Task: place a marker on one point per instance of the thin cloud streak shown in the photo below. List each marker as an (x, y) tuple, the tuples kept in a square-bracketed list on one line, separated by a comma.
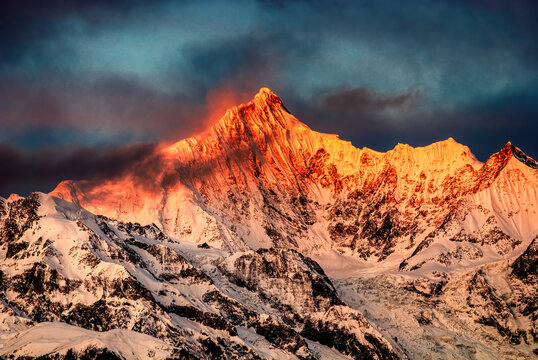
[(362, 99), (42, 169)]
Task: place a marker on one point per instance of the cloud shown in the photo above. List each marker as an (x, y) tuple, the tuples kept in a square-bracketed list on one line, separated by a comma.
[(107, 108), (361, 99), (24, 171), (455, 52)]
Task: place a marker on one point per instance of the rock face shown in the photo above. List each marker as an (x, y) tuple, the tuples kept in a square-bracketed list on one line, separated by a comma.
[(63, 265)]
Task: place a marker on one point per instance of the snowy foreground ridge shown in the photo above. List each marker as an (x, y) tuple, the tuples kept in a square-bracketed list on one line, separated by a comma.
[(263, 239)]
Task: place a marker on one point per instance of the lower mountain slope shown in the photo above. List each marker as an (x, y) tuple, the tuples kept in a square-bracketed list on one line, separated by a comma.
[(76, 284), (484, 312)]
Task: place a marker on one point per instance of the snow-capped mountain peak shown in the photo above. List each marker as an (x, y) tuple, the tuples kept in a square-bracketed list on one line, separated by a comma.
[(521, 156), (251, 237)]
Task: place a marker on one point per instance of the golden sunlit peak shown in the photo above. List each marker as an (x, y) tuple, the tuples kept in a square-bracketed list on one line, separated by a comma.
[(264, 97), (265, 90), (265, 94)]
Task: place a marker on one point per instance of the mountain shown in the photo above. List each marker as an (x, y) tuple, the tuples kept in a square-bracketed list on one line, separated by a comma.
[(259, 178), (261, 238)]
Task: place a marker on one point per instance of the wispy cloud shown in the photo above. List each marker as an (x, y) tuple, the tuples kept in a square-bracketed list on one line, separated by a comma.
[(24, 171), (364, 100)]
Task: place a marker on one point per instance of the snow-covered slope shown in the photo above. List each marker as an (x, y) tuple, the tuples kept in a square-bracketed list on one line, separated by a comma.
[(486, 312), (71, 281), (63, 339)]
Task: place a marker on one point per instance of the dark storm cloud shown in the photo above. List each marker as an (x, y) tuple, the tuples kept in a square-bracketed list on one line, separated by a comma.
[(41, 170), (487, 125), (362, 99), (113, 106), (365, 117), (243, 61), (298, 48)]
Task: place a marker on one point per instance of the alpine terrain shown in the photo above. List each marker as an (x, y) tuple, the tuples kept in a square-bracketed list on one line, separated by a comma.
[(263, 239)]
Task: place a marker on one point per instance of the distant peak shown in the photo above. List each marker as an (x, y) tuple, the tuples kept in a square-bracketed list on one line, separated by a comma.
[(507, 149), (13, 197), (449, 141), (499, 160), (402, 147)]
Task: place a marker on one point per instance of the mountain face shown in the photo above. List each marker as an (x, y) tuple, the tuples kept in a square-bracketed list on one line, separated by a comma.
[(261, 238)]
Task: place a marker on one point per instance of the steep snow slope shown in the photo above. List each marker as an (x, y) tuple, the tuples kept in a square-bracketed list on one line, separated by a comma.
[(59, 338), (494, 223), (61, 263), (260, 178)]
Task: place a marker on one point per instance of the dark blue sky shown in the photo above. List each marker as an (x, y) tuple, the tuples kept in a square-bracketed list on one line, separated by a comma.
[(85, 85)]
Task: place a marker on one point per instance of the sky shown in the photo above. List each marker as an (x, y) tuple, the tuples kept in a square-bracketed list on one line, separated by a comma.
[(87, 88)]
